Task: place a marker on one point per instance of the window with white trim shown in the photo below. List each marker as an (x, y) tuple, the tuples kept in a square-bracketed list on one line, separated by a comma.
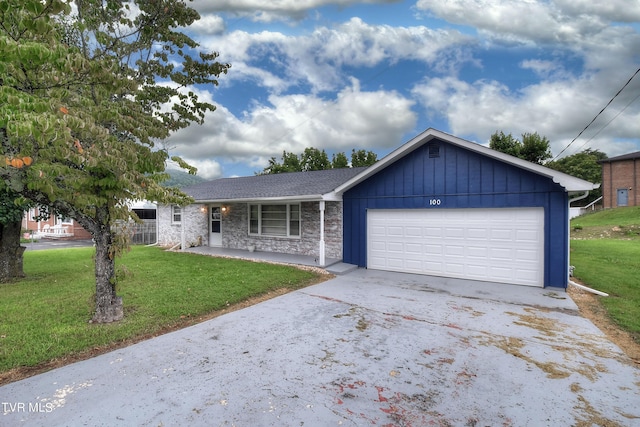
[(176, 214), (278, 220), (63, 220)]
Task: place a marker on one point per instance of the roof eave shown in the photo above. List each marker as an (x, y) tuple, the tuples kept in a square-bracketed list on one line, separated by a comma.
[(299, 198), (568, 182)]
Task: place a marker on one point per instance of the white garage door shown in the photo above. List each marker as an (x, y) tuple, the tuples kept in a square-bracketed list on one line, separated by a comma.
[(498, 245)]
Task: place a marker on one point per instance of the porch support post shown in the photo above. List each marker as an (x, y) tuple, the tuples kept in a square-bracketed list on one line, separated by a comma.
[(183, 239), (321, 249)]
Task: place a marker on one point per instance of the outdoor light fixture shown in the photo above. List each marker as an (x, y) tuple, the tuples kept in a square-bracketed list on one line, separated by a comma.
[(224, 209)]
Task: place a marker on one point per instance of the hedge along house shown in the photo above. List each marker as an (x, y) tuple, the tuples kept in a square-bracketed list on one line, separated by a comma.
[(293, 213), (443, 206)]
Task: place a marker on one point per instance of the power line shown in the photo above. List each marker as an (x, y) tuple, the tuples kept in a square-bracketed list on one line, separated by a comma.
[(609, 122), (598, 115)]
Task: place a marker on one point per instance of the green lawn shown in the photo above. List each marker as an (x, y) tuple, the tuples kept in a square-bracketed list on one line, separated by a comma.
[(610, 218), (609, 264), (45, 316)]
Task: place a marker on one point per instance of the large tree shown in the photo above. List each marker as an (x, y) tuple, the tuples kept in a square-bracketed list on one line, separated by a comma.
[(312, 159), (10, 225), (533, 147), (361, 158), (585, 165), (86, 93)]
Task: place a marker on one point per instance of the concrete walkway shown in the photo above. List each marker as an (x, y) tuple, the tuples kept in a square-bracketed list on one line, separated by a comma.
[(43, 244), (364, 349), (311, 261)]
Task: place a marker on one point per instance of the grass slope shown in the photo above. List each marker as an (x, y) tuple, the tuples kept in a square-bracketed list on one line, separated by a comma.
[(609, 218), (45, 316), (606, 256)]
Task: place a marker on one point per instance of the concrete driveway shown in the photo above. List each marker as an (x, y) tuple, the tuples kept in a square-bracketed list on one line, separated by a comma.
[(368, 348)]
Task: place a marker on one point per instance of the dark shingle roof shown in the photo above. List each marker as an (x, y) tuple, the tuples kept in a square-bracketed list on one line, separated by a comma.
[(629, 156), (314, 183)]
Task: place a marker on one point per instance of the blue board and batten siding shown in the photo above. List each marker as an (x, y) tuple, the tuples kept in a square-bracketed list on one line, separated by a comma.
[(458, 178)]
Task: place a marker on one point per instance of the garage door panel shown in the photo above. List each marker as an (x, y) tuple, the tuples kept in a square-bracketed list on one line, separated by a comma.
[(502, 245), (501, 254), (395, 231), (527, 235), (477, 270), (524, 255), (454, 233), (477, 233), (395, 247), (413, 248), (477, 252), (433, 249), (503, 234), (432, 232)]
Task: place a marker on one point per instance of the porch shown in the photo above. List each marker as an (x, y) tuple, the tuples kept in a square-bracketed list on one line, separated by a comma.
[(332, 265)]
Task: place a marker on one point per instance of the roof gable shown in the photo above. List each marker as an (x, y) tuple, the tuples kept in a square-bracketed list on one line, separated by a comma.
[(568, 182), (312, 185)]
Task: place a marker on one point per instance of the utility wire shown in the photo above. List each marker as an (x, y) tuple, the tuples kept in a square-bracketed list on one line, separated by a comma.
[(598, 115), (609, 122)]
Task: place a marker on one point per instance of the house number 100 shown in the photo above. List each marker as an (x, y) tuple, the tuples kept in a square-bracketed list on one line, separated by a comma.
[(435, 202)]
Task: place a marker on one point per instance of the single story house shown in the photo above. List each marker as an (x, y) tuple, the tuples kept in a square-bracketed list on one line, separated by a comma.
[(55, 227), (621, 180), (438, 205), (295, 213)]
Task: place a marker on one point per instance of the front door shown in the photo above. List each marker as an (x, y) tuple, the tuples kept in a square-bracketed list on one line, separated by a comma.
[(623, 197), (215, 226)]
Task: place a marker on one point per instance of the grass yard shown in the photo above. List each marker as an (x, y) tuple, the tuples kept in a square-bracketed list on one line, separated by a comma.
[(612, 266), (45, 316), (605, 250)]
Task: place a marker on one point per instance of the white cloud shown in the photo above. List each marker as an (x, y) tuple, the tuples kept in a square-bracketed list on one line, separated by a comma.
[(318, 58), (558, 110), (354, 119), (267, 11), (207, 168), (581, 53), (553, 21), (542, 68), (565, 98), (611, 10), (208, 24)]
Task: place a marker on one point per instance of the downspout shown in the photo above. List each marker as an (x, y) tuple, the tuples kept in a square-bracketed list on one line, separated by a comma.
[(321, 257), (580, 197), (585, 288), (572, 283), (157, 229)]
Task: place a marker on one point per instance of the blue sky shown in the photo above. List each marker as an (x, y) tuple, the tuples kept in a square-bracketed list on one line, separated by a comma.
[(345, 74)]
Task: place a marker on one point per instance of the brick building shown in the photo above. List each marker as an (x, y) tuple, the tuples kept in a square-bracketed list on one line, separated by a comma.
[(621, 181), (54, 227)]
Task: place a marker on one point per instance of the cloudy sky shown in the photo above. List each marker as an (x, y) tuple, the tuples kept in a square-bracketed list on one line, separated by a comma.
[(371, 74)]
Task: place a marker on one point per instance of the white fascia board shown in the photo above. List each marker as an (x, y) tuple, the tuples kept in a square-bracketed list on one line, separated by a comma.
[(568, 182), (288, 199), (332, 197)]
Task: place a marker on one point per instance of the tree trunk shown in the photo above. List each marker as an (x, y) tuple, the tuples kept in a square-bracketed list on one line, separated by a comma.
[(108, 304), (11, 252)]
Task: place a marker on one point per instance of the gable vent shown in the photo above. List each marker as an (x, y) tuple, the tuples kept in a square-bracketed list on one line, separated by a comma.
[(434, 150)]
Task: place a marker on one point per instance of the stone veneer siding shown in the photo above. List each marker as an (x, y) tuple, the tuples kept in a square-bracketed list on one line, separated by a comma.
[(235, 234), (235, 231), (195, 221)]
